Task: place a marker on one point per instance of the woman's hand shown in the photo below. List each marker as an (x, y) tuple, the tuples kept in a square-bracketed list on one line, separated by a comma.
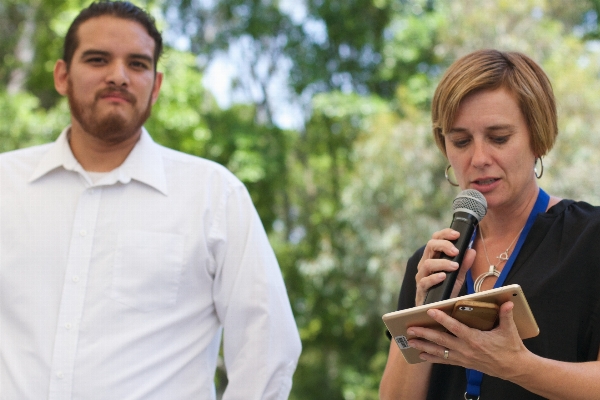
[(432, 269), (495, 352)]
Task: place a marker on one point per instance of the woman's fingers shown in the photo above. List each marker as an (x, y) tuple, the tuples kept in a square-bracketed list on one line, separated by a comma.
[(491, 352), (433, 271), (432, 268), (441, 242)]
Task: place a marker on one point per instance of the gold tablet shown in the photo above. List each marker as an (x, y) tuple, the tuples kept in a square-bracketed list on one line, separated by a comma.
[(398, 322)]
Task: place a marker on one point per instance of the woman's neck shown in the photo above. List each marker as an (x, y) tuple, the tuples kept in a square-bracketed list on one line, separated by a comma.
[(509, 219)]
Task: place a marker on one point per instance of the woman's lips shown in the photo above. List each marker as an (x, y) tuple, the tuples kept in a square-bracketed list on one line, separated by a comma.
[(486, 181)]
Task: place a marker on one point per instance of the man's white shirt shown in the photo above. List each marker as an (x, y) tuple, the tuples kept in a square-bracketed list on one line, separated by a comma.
[(119, 288)]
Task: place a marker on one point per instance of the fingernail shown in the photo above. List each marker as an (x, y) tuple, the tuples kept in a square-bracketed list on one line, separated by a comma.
[(410, 332)]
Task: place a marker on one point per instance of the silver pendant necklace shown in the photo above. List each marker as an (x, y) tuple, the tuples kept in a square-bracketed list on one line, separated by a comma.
[(493, 271)]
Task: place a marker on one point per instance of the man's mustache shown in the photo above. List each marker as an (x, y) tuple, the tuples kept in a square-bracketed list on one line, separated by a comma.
[(118, 92)]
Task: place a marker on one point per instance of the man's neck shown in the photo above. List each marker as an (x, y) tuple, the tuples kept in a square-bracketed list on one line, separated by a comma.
[(96, 155)]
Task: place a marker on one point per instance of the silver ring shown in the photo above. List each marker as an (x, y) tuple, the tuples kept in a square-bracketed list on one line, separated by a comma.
[(446, 354)]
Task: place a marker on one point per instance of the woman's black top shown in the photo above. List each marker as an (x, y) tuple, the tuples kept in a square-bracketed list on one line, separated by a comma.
[(558, 269)]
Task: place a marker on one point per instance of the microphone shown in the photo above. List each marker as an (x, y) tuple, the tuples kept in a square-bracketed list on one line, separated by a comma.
[(469, 208)]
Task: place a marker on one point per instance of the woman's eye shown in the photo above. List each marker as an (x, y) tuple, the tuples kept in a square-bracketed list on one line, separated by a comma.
[(500, 139), (460, 143)]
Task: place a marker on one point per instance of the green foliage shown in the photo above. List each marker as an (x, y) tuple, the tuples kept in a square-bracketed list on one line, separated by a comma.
[(179, 116), (386, 204), (25, 124), (408, 55), (347, 56)]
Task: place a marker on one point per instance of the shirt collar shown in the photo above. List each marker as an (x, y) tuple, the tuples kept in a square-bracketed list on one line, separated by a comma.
[(143, 164)]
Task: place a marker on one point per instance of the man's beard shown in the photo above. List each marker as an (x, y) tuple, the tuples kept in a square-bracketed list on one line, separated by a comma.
[(113, 128)]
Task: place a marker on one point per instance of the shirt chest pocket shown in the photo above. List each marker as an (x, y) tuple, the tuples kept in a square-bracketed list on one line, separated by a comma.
[(147, 269)]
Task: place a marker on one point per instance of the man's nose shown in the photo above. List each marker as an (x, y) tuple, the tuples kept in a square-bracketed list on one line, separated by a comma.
[(117, 74)]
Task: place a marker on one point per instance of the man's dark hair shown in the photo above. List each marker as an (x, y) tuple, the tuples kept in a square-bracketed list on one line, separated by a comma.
[(118, 9)]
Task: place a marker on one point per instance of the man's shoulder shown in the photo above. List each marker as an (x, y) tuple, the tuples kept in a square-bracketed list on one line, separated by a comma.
[(27, 154), (35, 149), (192, 165)]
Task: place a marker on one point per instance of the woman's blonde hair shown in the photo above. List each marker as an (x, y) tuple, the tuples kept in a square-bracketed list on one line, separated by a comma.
[(492, 69)]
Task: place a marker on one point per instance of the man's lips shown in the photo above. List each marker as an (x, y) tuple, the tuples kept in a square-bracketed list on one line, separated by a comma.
[(114, 97), (116, 94)]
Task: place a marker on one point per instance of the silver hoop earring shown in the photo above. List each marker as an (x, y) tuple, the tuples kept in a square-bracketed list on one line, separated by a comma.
[(535, 168), (448, 176)]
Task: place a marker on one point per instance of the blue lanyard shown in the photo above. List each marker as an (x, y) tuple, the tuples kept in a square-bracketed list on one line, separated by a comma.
[(475, 377)]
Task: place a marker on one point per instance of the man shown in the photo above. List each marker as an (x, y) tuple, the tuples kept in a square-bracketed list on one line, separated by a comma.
[(122, 262)]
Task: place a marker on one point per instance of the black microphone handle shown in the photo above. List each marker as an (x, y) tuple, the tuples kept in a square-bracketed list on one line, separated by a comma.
[(465, 224)]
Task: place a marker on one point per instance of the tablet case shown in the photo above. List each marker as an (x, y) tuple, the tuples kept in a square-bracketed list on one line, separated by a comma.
[(398, 322)]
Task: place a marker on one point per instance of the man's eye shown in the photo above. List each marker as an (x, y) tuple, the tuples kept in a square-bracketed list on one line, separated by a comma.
[(96, 60), (139, 65)]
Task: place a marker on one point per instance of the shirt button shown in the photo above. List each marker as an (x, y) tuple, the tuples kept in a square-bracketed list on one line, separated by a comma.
[(60, 375), (82, 232), (91, 191), (75, 279), (68, 326)]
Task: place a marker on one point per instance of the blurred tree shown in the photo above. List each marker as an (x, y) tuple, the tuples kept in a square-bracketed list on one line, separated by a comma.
[(32, 40), (393, 193), (578, 16), (255, 30)]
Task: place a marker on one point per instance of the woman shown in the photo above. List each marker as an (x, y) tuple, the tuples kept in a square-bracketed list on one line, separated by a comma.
[(494, 117)]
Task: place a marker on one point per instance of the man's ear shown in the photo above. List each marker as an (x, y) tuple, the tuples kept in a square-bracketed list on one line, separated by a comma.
[(61, 75), (156, 88)]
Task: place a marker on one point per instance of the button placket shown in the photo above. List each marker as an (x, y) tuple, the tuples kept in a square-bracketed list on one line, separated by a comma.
[(73, 295)]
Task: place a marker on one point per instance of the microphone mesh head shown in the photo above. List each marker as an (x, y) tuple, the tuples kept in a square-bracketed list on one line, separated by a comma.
[(471, 201)]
